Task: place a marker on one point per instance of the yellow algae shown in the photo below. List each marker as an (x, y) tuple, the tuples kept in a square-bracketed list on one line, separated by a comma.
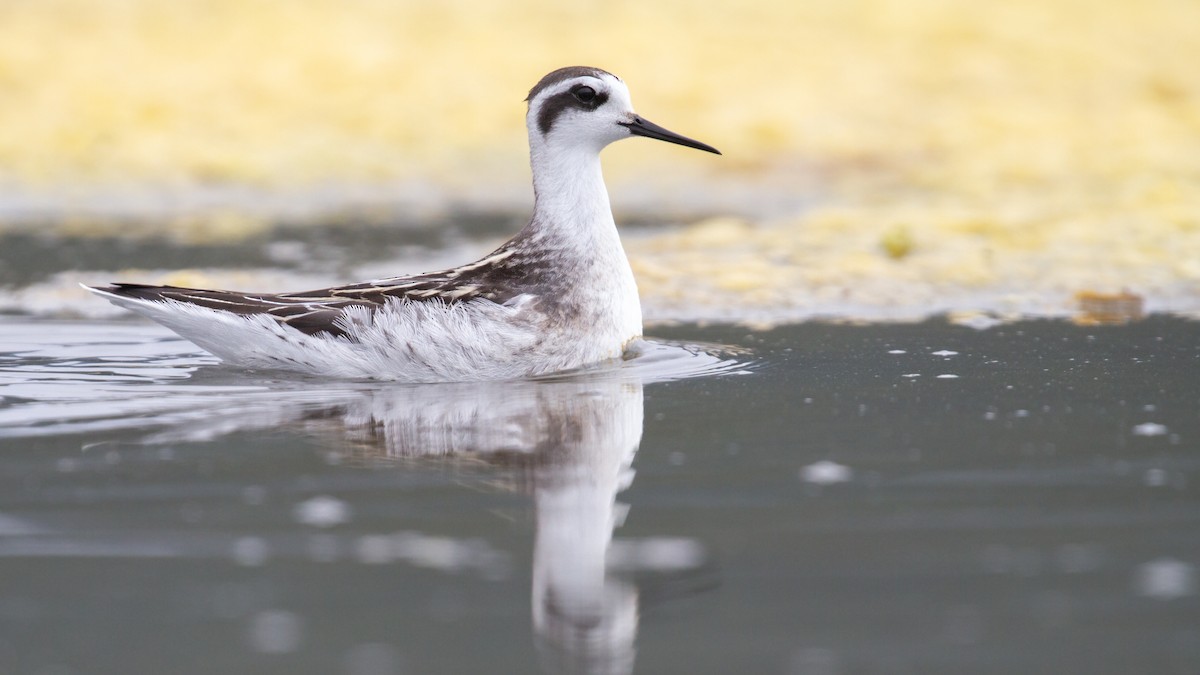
[(897, 242), (184, 278), (742, 279), (224, 226), (279, 92), (1029, 150), (717, 232)]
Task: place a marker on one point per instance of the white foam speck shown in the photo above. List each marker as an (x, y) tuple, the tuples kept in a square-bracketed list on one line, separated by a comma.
[(945, 352), (947, 376), (658, 554), (322, 511), (254, 495), (1165, 579), (911, 375), (897, 351), (826, 473), (1155, 477), (1150, 429), (275, 631), (442, 553), (251, 551)]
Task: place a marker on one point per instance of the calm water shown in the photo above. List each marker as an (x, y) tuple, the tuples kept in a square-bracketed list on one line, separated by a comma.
[(821, 500)]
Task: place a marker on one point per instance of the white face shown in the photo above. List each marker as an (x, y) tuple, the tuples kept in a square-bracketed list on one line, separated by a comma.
[(586, 111), (587, 108)]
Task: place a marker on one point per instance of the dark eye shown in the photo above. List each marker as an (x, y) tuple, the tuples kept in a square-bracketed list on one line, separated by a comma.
[(584, 94)]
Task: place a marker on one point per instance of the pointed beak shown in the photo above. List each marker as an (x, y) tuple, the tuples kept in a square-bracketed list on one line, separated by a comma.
[(641, 127)]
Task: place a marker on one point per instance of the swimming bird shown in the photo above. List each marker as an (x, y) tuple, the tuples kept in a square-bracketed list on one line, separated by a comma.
[(557, 296)]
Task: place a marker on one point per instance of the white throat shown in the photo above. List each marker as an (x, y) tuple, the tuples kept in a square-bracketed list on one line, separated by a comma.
[(570, 198)]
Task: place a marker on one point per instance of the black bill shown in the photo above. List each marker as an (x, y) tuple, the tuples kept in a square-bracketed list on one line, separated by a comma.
[(640, 127)]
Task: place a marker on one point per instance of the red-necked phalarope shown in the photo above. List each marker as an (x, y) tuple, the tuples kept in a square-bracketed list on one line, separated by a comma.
[(558, 295)]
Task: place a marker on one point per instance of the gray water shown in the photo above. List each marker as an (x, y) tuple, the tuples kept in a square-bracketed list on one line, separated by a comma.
[(814, 499)]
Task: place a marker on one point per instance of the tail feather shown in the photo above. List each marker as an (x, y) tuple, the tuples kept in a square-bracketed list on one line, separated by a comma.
[(310, 318)]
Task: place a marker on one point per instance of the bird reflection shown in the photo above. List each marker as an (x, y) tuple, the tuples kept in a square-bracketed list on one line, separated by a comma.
[(571, 444), (568, 442)]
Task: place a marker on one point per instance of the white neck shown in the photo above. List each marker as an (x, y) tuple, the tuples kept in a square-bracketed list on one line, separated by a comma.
[(571, 208), (573, 219)]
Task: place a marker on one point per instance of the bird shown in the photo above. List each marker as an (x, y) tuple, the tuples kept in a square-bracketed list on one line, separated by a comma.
[(558, 296)]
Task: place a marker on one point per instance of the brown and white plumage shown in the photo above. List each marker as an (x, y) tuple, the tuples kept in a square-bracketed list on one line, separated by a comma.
[(559, 295), (495, 277)]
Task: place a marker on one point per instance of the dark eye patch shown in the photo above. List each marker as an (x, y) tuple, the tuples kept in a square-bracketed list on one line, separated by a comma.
[(579, 97)]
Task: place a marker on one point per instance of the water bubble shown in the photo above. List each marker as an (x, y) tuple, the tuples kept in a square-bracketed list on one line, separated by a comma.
[(1150, 429), (275, 631), (322, 511), (1165, 579), (441, 553), (251, 551), (254, 495), (1155, 477), (826, 473), (667, 553), (655, 554)]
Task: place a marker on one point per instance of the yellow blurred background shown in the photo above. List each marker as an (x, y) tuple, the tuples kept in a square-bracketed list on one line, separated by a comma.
[(959, 154)]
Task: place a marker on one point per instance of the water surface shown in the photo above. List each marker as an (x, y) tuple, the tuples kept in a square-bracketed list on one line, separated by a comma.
[(920, 498)]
